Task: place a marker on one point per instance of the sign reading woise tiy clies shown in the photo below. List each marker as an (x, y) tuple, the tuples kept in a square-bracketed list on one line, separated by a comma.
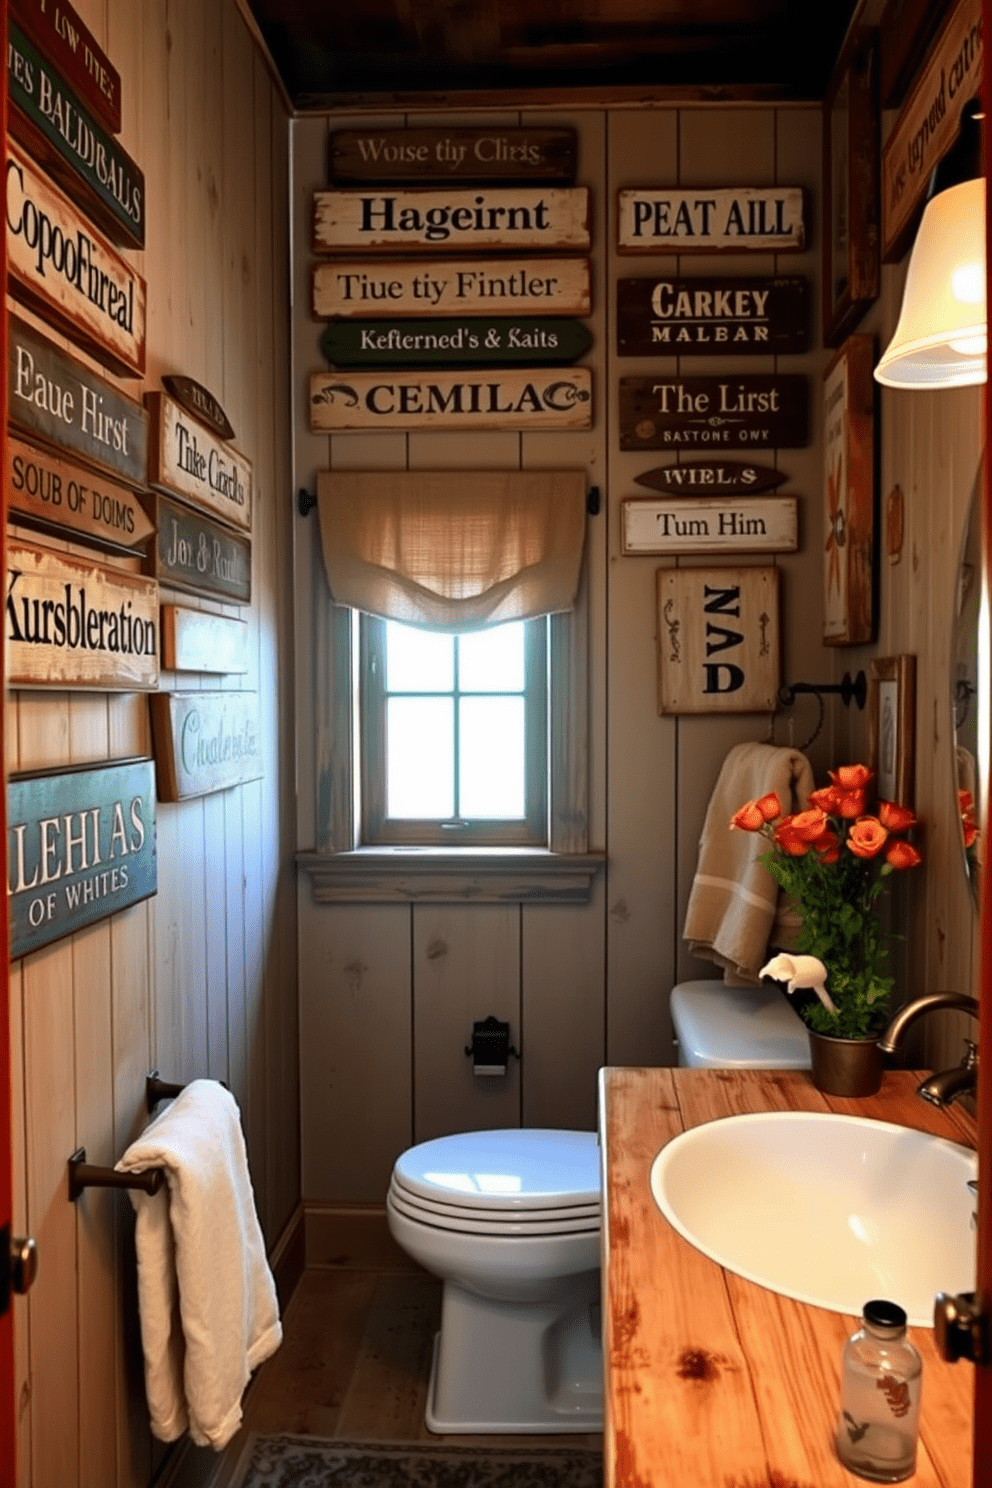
[(559, 398), (423, 220)]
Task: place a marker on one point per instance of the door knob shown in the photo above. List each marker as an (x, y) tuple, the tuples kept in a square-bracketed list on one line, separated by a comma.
[(23, 1264), (960, 1328)]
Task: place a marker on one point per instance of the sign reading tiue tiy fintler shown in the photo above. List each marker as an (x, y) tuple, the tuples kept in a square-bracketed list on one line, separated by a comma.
[(712, 478), (733, 219), (42, 487), (80, 847), (186, 459), (73, 623), (495, 399), (731, 524), (712, 317), (730, 413), (476, 218), (69, 273), (205, 742), (72, 48), (439, 154), (353, 289), (514, 340)]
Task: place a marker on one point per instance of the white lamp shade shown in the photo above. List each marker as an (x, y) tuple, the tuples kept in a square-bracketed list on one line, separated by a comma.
[(942, 336)]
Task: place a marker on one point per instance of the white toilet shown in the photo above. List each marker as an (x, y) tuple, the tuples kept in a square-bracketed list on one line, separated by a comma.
[(721, 1027), (510, 1221)]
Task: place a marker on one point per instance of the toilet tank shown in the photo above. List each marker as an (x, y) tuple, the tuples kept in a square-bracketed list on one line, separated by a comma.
[(721, 1027)]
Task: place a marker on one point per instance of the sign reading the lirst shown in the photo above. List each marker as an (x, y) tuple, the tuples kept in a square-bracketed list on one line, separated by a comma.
[(459, 286), (189, 461), (198, 555), (80, 847), (718, 640), (735, 219), (439, 154), (712, 317), (54, 398), (712, 477), (480, 218), (702, 412), (72, 48), (536, 399), (204, 742), (732, 525), (42, 487), (69, 273), (552, 341)]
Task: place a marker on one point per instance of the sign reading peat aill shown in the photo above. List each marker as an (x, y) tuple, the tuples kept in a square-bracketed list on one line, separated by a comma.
[(506, 340), (479, 218), (733, 219), (712, 317), (711, 478), (733, 524), (41, 487), (198, 555), (439, 154), (494, 399), (204, 742), (730, 413), (354, 289), (72, 48), (187, 460)]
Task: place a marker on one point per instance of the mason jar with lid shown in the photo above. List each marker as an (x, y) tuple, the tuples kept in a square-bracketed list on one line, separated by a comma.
[(880, 1397)]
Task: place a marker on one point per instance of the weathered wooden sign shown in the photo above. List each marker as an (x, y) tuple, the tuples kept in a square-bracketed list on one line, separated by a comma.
[(849, 506), (198, 401), (708, 477), (704, 412), (197, 641), (186, 459), (197, 555), (72, 623), (733, 219), (494, 342), (54, 398), (733, 524), (204, 742), (59, 132), (42, 487), (494, 399), (928, 124), (465, 286), (80, 847), (61, 35), (439, 154), (712, 317), (69, 273), (472, 218), (718, 640)]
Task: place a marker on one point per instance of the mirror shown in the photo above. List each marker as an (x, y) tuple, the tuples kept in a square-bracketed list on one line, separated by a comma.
[(964, 686)]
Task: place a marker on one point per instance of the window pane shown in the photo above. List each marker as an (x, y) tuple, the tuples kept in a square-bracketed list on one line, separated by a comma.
[(492, 660), (419, 758), (491, 748), (418, 660)]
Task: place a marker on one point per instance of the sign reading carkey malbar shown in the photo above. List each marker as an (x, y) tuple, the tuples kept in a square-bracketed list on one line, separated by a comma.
[(712, 317)]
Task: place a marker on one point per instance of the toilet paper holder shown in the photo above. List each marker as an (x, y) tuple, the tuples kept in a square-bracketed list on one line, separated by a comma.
[(490, 1047)]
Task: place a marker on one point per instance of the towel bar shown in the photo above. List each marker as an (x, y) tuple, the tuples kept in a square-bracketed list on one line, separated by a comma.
[(156, 1090), (85, 1175)]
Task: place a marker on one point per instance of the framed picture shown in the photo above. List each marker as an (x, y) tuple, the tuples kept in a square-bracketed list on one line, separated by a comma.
[(892, 727), (849, 499), (851, 213)]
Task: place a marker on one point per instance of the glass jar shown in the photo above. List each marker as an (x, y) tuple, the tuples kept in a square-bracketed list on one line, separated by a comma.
[(880, 1397)]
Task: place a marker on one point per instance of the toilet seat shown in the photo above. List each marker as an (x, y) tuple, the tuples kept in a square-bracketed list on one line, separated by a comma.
[(500, 1172), (496, 1212), (541, 1222)]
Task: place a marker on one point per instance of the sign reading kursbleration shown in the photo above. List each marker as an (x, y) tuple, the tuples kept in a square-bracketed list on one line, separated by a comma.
[(474, 218), (712, 477), (187, 460), (42, 487), (493, 342), (731, 413), (733, 524), (718, 640), (200, 402), (204, 742), (712, 317), (72, 623), (80, 847), (90, 166), (71, 47), (54, 398), (733, 219), (354, 289), (494, 399), (439, 154), (196, 554), (68, 272)]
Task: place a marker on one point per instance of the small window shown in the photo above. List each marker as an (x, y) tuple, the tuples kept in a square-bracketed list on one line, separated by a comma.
[(454, 735)]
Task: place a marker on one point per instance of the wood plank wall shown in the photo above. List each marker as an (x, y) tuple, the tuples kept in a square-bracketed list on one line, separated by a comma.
[(201, 979)]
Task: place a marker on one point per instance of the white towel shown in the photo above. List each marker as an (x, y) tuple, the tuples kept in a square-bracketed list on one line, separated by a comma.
[(734, 900), (209, 1313)]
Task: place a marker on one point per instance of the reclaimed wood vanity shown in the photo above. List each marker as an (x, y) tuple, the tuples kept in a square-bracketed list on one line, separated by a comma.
[(712, 1380)]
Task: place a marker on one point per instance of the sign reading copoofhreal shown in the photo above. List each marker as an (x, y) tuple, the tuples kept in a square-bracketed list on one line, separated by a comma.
[(705, 412), (204, 742), (712, 317), (73, 49), (438, 154), (70, 623), (740, 524), (718, 640), (42, 487), (353, 289), (196, 554), (477, 218), (733, 219), (69, 273), (80, 847), (186, 459), (495, 399)]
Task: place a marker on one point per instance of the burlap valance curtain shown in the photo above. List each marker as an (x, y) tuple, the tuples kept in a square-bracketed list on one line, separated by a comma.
[(455, 550)]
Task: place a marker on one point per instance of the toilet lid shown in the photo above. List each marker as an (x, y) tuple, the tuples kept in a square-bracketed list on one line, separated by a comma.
[(517, 1169), (515, 1223), (462, 1211)]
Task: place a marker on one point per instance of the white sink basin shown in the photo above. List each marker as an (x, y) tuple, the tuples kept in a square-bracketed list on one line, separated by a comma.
[(830, 1210)]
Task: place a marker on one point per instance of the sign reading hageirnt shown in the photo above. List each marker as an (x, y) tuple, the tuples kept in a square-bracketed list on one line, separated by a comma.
[(495, 399), (72, 48), (205, 742), (730, 219), (80, 847), (734, 524), (523, 340), (459, 286), (187, 460), (712, 317), (730, 413), (42, 487), (483, 218), (718, 640), (712, 477), (198, 555), (439, 154)]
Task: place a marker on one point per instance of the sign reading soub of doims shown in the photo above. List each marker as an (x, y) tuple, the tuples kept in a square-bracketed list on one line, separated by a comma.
[(734, 219), (45, 488), (712, 317), (356, 288), (560, 398), (729, 413), (481, 218), (465, 154)]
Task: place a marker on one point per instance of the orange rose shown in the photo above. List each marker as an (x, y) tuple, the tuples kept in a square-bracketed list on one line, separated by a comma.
[(850, 804), (966, 801), (828, 847), (851, 777), (902, 855), (770, 806), (789, 842), (894, 817), (808, 825), (970, 831), (826, 799), (867, 837), (749, 818)]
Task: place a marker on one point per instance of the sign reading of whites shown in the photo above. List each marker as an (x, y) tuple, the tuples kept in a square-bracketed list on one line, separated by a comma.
[(195, 554), (733, 525), (80, 847), (72, 48), (718, 640), (71, 623), (204, 742), (440, 154), (706, 477), (446, 343), (735, 219), (928, 124), (701, 412), (196, 641), (54, 398), (69, 273), (481, 218), (44, 488), (198, 401), (353, 289), (711, 317), (186, 459), (558, 399)]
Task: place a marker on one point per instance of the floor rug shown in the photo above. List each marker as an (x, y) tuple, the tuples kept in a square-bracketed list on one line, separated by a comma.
[(313, 1462)]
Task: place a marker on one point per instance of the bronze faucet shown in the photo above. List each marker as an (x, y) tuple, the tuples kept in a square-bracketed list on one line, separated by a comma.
[(941, 1088)]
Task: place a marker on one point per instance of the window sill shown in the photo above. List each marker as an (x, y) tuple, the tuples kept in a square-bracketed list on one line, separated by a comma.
[(384, 875)]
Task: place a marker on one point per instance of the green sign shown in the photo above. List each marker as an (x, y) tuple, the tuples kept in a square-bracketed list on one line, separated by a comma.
[(505, 341)]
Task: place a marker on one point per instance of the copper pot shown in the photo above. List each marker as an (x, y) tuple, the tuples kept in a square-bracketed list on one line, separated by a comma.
[(845, 1066)]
